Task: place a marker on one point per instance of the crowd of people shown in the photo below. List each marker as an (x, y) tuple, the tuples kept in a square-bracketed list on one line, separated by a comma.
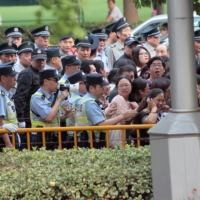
[(105, 78)]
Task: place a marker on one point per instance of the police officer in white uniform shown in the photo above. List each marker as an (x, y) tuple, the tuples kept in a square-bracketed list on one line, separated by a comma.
[(116, 50), (152, 36), (8, 118)]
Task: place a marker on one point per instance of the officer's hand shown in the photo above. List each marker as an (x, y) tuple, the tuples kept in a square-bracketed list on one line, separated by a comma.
[(111, 109), (11, 127), (130, 114), (21, 124), (9, 146), (69, 112), (64, 95)]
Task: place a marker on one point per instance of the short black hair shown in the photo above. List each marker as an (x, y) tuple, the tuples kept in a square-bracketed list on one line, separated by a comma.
[(99, 65), (156, 58), (111, 0), (85, 66)]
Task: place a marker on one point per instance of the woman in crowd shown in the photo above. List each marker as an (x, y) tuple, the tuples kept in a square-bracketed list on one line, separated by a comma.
[(140, 57), (140, 89), (124, 86), (148, 111), (156, 67)]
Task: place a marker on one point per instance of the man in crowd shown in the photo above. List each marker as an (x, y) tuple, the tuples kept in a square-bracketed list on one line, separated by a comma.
[(14, 34), (116, 50), (8, 52), (66, 45), (71, 64), (53, 59), (88, 67), (152, 40), (45, 104), (8, 118), (24, 52), (28, 84), (102, 35), (114, 13), (129, 44), (41, 37), (162, 50)]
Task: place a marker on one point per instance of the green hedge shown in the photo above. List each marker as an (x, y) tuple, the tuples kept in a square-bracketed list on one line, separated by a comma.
[(55, 33), (77, 174)]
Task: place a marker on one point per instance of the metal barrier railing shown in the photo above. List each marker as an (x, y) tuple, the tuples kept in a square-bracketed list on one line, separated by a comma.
[(79, 128)]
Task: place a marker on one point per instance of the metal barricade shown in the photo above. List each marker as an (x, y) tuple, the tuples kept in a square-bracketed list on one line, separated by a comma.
[(136, 127)]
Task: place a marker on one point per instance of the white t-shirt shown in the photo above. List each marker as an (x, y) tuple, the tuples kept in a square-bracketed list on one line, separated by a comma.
[(116, 14)]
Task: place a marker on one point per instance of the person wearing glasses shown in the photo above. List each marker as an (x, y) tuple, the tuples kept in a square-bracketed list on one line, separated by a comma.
[(140, 56), (156, 67), (124, 87), (152, 37), (45, 106)]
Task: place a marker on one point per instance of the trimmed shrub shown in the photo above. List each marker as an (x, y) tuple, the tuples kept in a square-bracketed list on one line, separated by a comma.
[(77, 174)]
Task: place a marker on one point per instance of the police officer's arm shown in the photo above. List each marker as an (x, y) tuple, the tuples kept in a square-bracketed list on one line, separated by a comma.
[(127, 115), (110, 57), (40, 107), (22, 94), (5, 136)]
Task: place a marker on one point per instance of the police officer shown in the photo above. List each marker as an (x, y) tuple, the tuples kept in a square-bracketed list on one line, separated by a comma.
[(112, 37), (53, 59), (28, 84), (129, 44), (197, 45), (66, 45), (41, 37), (88, 111), (86, 48), (71, 64), (152, 36), (8, 52), (45, 106), (24, 52), (14, 34), (102, 35), (116, 50), (8, 118), (77, 90)]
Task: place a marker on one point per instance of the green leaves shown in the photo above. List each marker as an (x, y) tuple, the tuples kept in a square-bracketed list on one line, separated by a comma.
[(78, 174)]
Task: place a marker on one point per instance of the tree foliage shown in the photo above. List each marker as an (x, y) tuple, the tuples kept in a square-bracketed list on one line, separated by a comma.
[(67, 13)]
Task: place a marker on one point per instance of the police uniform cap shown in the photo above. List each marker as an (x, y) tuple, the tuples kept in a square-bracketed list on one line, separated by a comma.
[(130, 40), (66, 37), (155, 31), (76, 77), (25, 47), (94, 41), (197, 35), (82, 42), (96, 79), (70, 60), (53, 52), (120, 24), (39, 54), (110, 26), (14, 31), (48, 73), (8, 47), (7, 69), (101, 33), (41, 31)]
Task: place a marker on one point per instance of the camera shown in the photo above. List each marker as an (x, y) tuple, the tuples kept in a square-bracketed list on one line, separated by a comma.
[(64, 87)]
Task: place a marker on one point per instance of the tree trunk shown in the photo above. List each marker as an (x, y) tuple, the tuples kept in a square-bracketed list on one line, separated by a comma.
[(160, 9), (130, 11)]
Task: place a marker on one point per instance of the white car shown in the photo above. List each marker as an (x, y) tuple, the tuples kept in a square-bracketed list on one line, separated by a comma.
[(157, 20)]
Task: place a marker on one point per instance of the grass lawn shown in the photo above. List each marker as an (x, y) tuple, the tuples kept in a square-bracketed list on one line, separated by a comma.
[(94, 10)]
